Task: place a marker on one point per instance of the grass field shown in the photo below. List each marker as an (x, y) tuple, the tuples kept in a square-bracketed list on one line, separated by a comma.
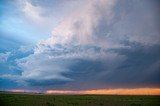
[(77, 100)]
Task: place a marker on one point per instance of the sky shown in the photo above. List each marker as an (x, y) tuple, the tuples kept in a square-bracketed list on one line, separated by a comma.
[(79, 45)]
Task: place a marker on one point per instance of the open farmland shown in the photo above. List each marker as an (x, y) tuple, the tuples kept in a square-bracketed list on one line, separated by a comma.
[(7, 99)]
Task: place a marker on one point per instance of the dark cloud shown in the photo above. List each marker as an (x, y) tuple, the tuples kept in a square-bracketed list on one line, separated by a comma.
[(140, 68)]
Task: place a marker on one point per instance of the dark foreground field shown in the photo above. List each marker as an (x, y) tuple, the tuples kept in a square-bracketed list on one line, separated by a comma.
[(77, 100)]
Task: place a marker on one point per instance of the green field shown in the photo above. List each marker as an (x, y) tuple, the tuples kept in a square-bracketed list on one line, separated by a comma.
[(77, 100)]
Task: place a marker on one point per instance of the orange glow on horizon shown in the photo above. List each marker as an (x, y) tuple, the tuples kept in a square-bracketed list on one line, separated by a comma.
[(121, 91)]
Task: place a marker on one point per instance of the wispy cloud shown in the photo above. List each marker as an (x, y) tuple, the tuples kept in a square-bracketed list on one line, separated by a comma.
[(34, 13), (4, 56)]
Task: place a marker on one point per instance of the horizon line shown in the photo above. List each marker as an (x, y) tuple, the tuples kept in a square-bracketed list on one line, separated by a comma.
[(116, 91)]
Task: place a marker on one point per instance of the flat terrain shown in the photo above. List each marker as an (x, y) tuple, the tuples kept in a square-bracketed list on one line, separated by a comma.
[(77, 100)]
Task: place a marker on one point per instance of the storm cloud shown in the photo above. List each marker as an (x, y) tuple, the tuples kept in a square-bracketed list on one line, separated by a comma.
[(101, 44)]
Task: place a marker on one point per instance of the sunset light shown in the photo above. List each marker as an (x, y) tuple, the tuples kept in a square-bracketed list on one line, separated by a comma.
[(136, 91)]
